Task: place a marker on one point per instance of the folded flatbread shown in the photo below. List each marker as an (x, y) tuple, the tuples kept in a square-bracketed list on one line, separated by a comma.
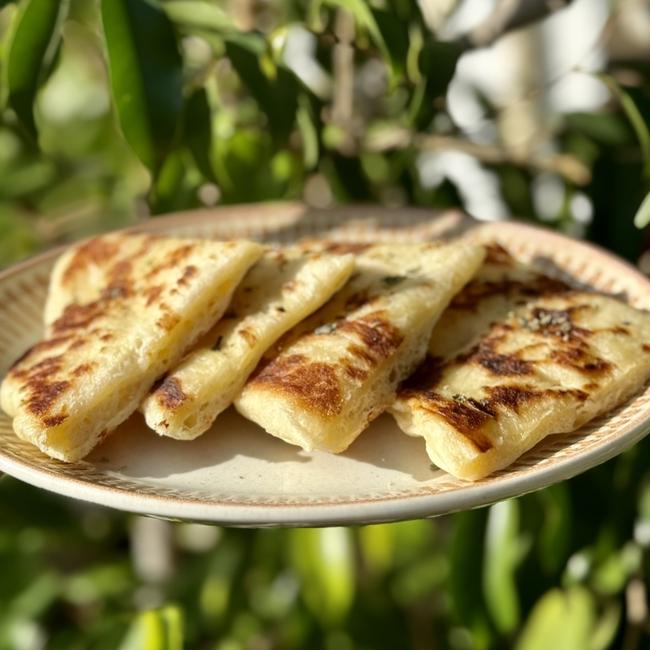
[(548, 367), (101, 356), (284, 287), (339, 369), (500, 285)]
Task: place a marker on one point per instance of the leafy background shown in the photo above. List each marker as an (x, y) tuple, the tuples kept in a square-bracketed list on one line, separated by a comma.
[(117, 110)]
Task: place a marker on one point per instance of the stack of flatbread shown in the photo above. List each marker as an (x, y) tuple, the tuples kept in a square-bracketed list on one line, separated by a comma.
[(476, 353)]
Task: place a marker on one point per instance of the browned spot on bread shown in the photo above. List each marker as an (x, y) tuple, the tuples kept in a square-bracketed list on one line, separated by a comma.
[(354, 372), (498, 364), (342, 248), (578, 357), (170, 393), (619, 329), (43, 393), (463, 415), (378, 336), (248, 335), (645, 347), (188, 273), (511, 396), (168, 319), (78, 316), (42, 368), (82, 369), (152, 294), (497, 255), (41, 384), (172, 259), (54, 420), (504, 364), (477, 290), (96, 251), (314, 384)]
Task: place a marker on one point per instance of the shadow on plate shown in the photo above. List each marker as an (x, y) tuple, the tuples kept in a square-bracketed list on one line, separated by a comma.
[(137, 452)]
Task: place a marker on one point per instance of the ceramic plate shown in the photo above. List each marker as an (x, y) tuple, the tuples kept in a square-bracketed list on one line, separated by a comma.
[(238, 475)]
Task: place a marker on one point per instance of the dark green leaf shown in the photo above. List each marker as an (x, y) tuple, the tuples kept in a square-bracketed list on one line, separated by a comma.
[(554, 536), (198, 131), (33, 46), (276, 91), (438, 62), (146, 76), (465, 553), (634, 116)]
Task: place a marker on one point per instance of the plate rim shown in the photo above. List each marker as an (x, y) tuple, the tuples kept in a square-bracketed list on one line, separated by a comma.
[(341, 511)]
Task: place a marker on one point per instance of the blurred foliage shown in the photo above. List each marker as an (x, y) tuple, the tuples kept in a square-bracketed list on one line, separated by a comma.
[(115, 110)]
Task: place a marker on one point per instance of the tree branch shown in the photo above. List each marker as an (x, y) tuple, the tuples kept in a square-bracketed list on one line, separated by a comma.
[(566, 165), (508, 16)]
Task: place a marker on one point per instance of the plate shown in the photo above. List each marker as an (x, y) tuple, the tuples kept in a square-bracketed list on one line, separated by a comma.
[(238, 475)]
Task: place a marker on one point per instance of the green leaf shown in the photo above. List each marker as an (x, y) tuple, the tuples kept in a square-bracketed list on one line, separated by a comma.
[(158, 629), (197, 131), (202, 15), (305, 120), (32, 48), (562, 620), (555, 534), (377, 544), (642, 216), (147, 632), (146, 76), (504, 548), (324, 559), (274, 88), (167, 184), (634, 116), (172, 617), (465, 552)]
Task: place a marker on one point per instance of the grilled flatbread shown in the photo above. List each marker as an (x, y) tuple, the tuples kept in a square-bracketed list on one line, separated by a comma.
[(284, 287), (340, 368), (548, 367), (500, 285), (100, 358)]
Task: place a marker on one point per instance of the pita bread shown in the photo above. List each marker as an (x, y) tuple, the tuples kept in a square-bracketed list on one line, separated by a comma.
[(553, 364), (339, 369), (99, 358), (284, 287)]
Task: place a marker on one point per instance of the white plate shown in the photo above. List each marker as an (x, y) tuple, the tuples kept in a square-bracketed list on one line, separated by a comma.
[(238, 475)]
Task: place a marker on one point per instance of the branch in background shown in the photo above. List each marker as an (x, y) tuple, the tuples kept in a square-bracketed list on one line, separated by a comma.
[(508, 16), (566, 165), (343, 73)]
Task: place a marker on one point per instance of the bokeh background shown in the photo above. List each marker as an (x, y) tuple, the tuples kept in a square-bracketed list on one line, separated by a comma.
[(118, 110)]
